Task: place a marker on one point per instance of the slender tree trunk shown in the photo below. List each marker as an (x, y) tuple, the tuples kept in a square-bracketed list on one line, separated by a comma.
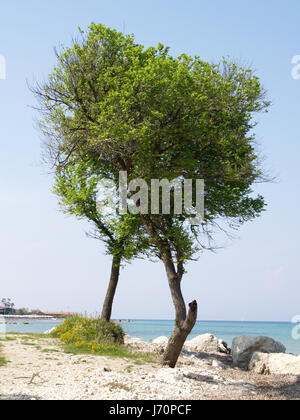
[(184, 322), (113, 282)]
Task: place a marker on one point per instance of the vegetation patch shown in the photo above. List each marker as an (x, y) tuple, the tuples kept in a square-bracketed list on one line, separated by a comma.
[(28, 336), (82, 335), (26, 343), (79, 329), (118, 385), (8, 339), (3, 361), (50, 351)]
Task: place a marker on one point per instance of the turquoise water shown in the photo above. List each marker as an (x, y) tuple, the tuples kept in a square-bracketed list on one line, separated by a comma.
[(38, 327), (148, 330)]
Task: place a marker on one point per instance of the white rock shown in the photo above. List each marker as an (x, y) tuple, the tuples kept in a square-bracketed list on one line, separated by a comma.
[(275, 363), (206, 343), (131, 340), (169, 376), (50, 331), (244, 347), (162, 341), (218, 364)]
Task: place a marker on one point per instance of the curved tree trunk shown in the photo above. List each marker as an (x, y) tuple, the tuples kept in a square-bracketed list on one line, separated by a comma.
[(184, 322), (110, 294)]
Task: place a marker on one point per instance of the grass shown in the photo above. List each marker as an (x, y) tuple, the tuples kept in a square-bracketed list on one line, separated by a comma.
[(25, 343), (27, 336), (129, 368), (139, 358), (30, 339), (3, 361), (118, 385), (50, 351), (8, 339)]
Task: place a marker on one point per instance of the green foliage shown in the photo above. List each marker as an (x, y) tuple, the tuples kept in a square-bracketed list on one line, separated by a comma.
[(77, 188), (79, 329), (82, 335), (111, 104)]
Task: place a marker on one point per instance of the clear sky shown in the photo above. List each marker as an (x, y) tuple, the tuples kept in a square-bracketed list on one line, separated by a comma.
[(46, 261)]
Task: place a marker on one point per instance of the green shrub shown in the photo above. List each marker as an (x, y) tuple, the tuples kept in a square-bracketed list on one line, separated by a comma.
[(79, 329), (82, 335)]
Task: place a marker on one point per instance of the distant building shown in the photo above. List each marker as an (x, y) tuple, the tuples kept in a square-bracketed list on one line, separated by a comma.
[(7, 311)]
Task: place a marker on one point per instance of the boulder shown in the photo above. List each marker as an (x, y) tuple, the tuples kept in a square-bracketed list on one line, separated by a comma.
[(206, 343), (275, 364), (244, 347), (161, 341)]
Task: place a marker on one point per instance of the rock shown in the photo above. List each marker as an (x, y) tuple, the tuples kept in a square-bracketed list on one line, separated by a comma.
[(244, 347), (50, 331), (169, 376), (223, 347), (131, 340), (206, 343), (161, 341), (218, 364), (275, 364), (134, 342)]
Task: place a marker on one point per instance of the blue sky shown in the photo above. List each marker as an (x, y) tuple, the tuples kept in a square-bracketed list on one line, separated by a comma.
[(45, 259)]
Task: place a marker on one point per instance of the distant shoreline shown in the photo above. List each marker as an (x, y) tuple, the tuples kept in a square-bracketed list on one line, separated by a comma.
[(29, 318), (126, 320)]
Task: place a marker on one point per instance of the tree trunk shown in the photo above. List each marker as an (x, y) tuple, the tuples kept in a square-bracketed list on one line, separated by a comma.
[(113, 282), (184, 323)]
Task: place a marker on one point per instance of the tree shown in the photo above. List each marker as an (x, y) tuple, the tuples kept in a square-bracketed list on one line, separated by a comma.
[(117, 106), (23, 311), (123, 235), (7, 303)]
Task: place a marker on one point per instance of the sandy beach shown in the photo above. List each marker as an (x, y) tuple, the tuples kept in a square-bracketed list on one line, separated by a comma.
[(38, 369)]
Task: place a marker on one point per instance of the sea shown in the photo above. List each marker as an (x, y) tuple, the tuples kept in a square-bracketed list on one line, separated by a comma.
[(148, 330)]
